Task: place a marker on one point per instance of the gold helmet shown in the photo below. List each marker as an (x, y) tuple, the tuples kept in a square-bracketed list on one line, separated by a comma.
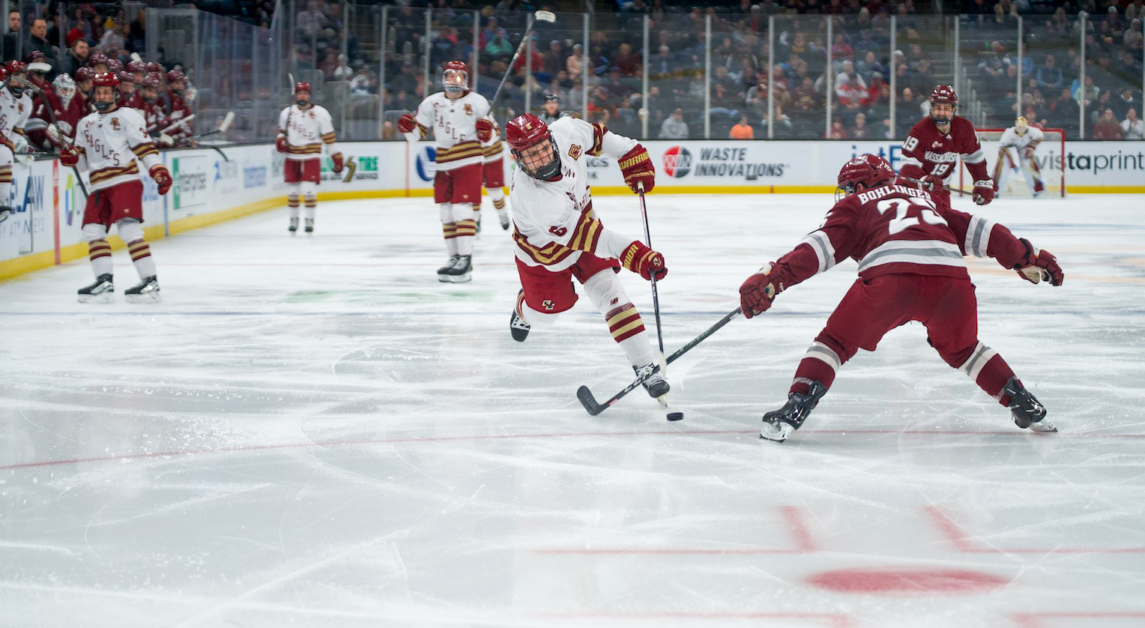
[(1020, 125)]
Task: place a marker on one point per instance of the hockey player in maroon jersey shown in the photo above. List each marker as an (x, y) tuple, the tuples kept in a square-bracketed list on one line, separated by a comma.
[(129, 92), (69, 110), (909, 244), (149, 90), (177, 107), (930, 152)]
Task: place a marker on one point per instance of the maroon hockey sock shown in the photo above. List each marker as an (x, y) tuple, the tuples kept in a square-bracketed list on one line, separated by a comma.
[(820, 364), (993, 377)]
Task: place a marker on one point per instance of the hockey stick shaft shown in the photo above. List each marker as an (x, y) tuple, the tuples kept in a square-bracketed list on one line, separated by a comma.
[(543, 16), (594, 408), (655, 294), (75, 170)]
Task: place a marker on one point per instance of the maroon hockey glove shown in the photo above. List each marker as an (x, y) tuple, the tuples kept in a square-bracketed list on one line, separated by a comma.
[(407, 123), (1037, 266), (484, 130), (644, 261), (983, 192), (637, 168), (757, 293), (280, 144), (162, 178), (337, 159), (69, 156), (931, 183)]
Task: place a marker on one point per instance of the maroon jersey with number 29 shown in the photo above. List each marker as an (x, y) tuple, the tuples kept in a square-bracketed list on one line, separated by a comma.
[(927, 151)]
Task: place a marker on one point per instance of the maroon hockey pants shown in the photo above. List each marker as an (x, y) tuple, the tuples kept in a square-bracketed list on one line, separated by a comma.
[(872, 307)]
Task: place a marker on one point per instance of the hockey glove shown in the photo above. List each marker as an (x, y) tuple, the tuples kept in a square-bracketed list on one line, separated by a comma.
[(280, 144), (407, 123), (1037, 265), (644, 261), (484, 130), (757, 293), (637, 168), (1028, 152), (931, 183), (19, 144), (162, 178), (69, 156), (983, 192), (338, 163)]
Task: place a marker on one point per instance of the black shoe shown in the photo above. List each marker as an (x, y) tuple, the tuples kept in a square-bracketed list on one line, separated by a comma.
[(1027, 411), (147, 291), (779, 424), (102, 291), (655, 383), (309, 225), (293, 225), (459, 272), (518, 326), (443, 272)]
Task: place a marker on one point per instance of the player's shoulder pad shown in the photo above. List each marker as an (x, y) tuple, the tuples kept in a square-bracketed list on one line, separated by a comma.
[(961, 125), (131, 116), (922, 125)]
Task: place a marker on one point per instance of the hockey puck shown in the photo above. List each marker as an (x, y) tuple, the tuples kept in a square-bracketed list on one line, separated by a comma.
[(675, 416)]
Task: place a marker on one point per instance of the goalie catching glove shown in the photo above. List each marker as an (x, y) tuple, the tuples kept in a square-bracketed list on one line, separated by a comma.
[(757, 293), (637, 168), (1037, 265), (644, 261)]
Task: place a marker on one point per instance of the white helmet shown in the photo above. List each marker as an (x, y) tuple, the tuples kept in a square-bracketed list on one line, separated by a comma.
[(65, 88)]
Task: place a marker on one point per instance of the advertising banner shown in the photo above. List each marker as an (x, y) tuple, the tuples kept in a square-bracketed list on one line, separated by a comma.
[(191, 180)]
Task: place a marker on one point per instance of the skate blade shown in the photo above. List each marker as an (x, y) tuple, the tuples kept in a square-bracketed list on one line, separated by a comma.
[(106, 297), (663, 400), (460, 278), (444, 279), (150, 297), (776, 433), (1043, 427)]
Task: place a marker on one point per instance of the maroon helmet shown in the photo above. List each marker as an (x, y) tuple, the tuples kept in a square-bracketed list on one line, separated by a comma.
[(17, 77), (302, 86), (105, 79), (175, 75), (126, 77), (153, 67), (867, 170), (137, 67), (152, 81), (455, 77), (15, 67), (97, 59), (114, 66), (943, 94), (84, 74), (522, 134)]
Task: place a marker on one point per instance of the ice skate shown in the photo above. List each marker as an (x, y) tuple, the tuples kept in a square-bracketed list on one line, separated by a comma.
[(293, 228), (461, 270), (146, 291), (503, 216), (102, 291), (518, 327), (478, 222), (1027, 411), (779, 424), (309, 226), (5, 211), (655, 383), (443, 272)]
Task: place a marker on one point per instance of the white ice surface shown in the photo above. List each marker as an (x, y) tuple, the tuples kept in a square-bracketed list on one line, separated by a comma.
[(315, 432)]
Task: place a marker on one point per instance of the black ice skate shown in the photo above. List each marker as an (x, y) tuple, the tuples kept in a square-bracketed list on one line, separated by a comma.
[(460, 270), (1028, 412), (309, 225), (779, 424), (518, 326), (503, 216), (655, 383), (102, 291), (147, 291), (293, 228), (443, 272), (5, 211), (478, 222)]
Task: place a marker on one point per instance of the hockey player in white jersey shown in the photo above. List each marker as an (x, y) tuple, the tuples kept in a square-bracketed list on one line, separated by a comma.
[(108, 143), (559, 237), (493, 173), (1016, 151), (15, 107), (303, 128), (461, 123)]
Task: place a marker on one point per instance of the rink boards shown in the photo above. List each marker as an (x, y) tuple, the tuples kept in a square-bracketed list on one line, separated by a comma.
[(44, 229)]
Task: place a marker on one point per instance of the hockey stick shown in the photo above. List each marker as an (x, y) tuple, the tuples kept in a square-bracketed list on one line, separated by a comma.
[(226, 124), (539, 16), (52, 115), (351, 168), (594, 408), (655, 296)]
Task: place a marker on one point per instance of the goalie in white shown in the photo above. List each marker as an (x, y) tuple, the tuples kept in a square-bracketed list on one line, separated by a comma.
[(1017, 152)]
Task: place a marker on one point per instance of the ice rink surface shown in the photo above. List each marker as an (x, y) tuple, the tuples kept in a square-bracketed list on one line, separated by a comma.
[(315, 432)]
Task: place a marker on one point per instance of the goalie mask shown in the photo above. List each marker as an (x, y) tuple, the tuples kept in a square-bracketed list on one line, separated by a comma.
[(942, 96), (868, 171), (455, 78), (1021, 126), (65, 89), (533, 147)]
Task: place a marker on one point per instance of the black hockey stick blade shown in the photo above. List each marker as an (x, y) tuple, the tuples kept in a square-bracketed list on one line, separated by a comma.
[(588, 401)]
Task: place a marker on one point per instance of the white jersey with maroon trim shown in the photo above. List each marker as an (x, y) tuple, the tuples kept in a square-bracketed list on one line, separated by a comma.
[(454, 125), (553, 220), (110, 142), (14, 112), (1032, 137), (309, 130)]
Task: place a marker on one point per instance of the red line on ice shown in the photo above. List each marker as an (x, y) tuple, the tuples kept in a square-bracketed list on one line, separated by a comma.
[(963, 544)]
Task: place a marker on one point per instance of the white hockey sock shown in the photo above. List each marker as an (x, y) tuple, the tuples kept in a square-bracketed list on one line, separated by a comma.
[(132, 233), (100, 253), (466, 226), (624, 323), (311, 206), (498, 197), (292, 201)]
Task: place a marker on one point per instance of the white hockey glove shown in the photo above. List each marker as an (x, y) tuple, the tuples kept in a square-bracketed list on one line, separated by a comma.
[(19, 144)]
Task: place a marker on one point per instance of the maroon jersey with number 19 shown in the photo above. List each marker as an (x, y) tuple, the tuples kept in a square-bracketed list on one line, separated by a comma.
[(927, 151)]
